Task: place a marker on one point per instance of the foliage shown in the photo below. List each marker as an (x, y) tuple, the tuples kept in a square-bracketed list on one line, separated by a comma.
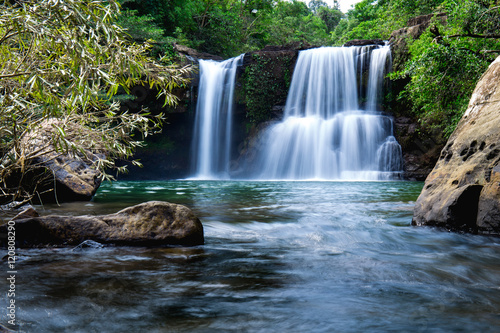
[(230, 27), (445, 62), (291, 22), (264, 74), (442, 80), (65, 60), (448, 60)]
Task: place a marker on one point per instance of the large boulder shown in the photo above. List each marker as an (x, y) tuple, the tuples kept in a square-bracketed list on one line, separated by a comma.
[(153, 223), (53, 175), (462, 192)]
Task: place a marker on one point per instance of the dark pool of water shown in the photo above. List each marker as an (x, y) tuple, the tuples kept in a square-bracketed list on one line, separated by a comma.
[(279, 257)]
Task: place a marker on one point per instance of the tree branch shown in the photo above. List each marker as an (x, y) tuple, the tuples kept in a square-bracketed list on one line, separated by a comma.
[(14, 75), (475, 36)]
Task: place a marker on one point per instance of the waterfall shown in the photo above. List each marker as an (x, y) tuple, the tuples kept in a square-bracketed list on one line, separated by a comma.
[(324, 133), (211, 147)]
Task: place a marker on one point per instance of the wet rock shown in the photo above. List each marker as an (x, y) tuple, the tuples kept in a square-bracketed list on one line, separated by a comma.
[(153, 223), (88, 244), (420, 149), (463, 191), (26, 213), (364, 42)]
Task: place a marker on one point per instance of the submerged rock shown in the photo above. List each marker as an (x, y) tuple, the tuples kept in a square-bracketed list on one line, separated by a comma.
[(88, 244), (153, 223), (462, 192)]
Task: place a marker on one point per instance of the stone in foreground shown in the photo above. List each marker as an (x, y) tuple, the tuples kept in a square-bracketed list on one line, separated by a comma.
[(153, 223), (462, 193)]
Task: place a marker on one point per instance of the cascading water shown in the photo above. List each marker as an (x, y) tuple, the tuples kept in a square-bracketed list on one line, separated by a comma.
[(324, 133), (211, 147)]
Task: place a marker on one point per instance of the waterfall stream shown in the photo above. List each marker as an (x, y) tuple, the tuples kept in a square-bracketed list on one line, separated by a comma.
[(325, 133), (211, 145)]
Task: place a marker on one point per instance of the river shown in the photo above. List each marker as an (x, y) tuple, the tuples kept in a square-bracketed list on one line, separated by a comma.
[(279, 257)]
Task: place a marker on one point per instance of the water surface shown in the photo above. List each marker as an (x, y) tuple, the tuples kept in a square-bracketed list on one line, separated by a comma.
[(279, 257)]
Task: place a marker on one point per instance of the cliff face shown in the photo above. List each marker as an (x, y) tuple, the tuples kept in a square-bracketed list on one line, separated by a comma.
[(463, 190), (420, 148), (261, 92)]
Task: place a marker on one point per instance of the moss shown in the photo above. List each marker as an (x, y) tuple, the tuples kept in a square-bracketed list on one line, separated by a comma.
[(265, 83)]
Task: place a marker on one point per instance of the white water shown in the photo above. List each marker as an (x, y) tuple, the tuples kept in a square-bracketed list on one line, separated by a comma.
[(213, 121), (325, 134)]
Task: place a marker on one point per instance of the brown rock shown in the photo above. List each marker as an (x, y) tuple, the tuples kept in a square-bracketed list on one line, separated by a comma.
[(61, 176), (27, 213), (194, 53), (415, 27), (152, 223), (364, 42), (463, 190)]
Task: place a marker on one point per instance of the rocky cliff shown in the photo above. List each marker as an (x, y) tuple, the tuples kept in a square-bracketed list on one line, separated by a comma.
[(420, 148), (261, 94), (462, 192)]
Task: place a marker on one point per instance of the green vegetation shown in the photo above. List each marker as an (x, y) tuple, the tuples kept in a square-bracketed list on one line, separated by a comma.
[(231, 27), (445, 61), (61, 65), (448, 60), (442, 69), (265, 83)]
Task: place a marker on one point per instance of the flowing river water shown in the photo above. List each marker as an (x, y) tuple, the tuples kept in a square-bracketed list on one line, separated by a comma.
[(279, 257)]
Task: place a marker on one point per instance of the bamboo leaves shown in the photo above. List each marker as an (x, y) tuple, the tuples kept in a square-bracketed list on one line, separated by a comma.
[(62, 62)]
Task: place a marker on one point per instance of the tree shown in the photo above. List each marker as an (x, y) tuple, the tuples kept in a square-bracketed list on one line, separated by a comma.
[(448, 60), (331, 17), (314, 5), (67, 60)]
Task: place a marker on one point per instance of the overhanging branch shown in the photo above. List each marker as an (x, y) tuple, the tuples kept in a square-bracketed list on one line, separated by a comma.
[(14, 75), (495, 36)]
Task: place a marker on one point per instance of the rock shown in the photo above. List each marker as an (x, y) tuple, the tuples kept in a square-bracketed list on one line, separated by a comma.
[(364, 42), (55, 176), (414, 29), (295, 46), (194, 53), (27, 213), (462, 192), (153, 223), (420, 149)]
